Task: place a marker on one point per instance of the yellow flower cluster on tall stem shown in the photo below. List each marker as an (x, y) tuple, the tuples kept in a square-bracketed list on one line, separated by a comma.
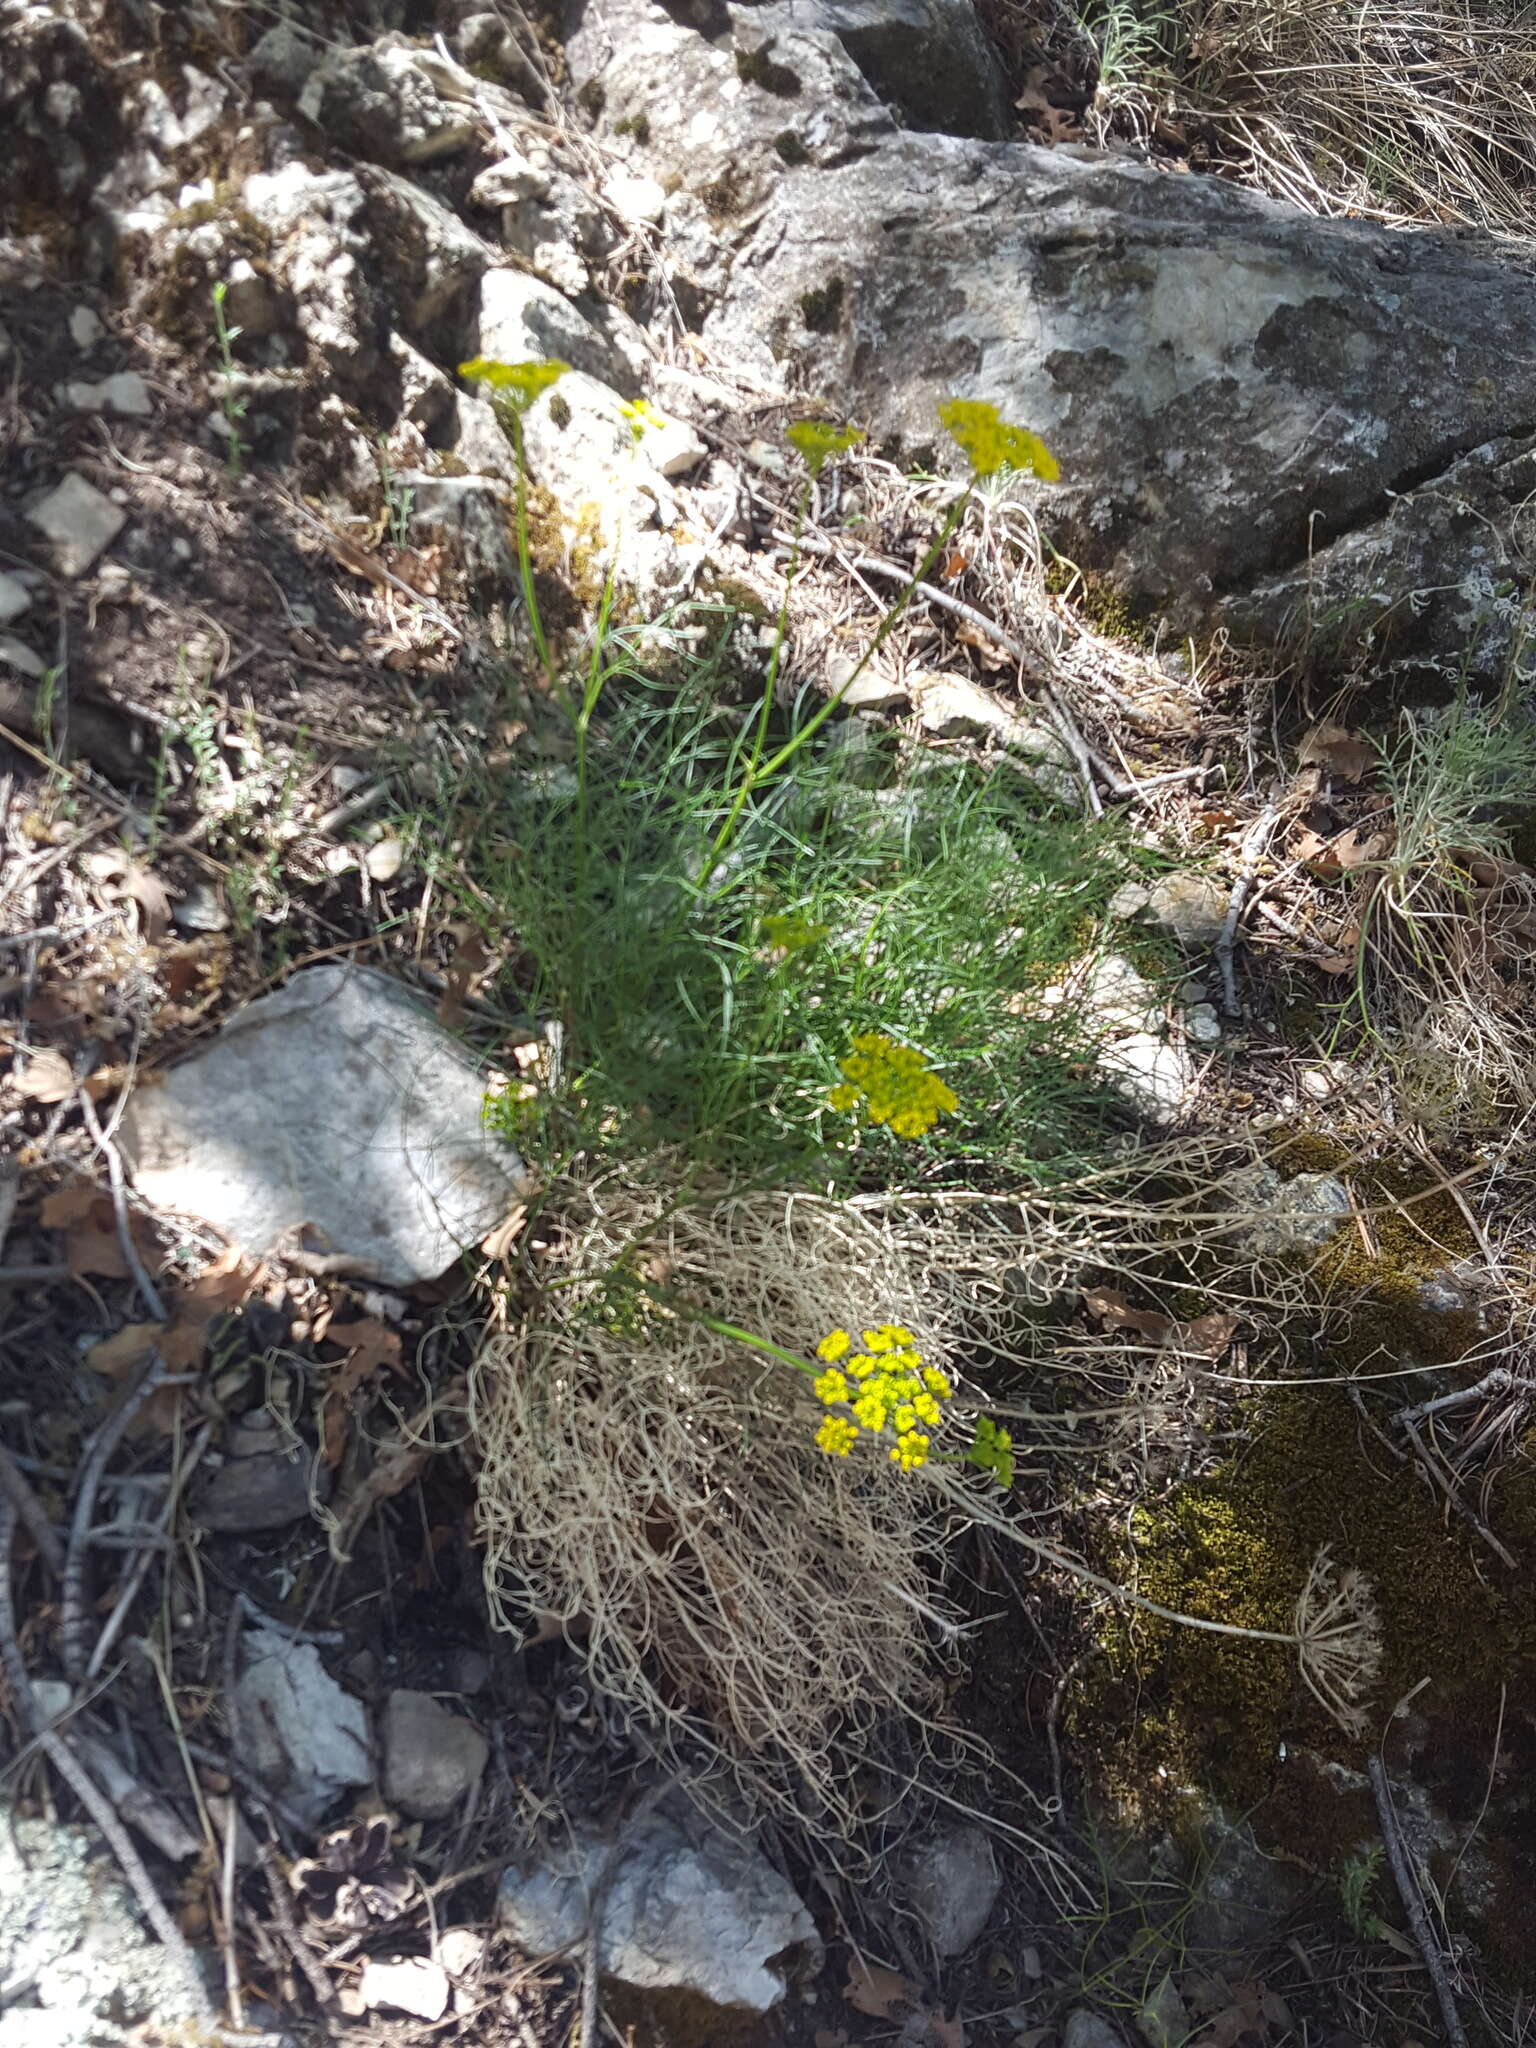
[(884, 1387), (895, 1084)]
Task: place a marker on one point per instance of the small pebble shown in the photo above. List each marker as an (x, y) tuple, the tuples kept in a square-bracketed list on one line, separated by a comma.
[(85, 329)]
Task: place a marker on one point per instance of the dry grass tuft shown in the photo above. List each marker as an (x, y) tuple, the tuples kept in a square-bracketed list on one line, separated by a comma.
[(1385, 109), (655, 1484)]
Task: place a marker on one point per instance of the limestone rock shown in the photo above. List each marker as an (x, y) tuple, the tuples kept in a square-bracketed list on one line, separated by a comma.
[(1123, 1015), (271, 1489), (432, 1759), (692, 1904), (305, 1738), (79, 521), (1085, 2029), (337, 1103), (125, 392), (1233, 389), (15, 598), (1190, 906), (471, 513), (393, 102), (951, 1880), (426, 262), (1287, 1216), (522, 319), (77, 1965), (926, 58)]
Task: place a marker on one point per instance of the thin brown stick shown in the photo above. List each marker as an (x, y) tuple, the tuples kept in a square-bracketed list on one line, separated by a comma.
[(234, 1997), (72, 1609), (95, 1802), (106, 1145), (14, 1486), (1413, 1903), (1254, 841)]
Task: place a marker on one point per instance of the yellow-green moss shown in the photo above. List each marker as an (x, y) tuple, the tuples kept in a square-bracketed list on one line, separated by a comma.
[(1173, 1706)]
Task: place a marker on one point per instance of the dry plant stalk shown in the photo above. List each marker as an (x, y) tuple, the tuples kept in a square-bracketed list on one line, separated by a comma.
[(658, 1482)]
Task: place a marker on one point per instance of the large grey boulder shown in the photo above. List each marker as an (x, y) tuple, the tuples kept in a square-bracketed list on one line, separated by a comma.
[(691, 1903), (336, 1103), (926, 59), (1234, 390)]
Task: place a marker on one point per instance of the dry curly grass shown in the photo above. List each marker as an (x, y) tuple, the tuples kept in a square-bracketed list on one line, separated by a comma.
[(655, 1483)]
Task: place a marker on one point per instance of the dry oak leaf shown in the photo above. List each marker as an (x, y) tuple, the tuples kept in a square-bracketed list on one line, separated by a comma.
[(221, 1286), (125, 1350), (1340, 753), (883, 1994), (1111, 1308), (368, 1344)]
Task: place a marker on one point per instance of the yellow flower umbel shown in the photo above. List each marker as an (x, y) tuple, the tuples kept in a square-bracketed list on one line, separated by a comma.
[(816, 441), (518, 384), (991, 444), (896, 1085), (884, 1387)]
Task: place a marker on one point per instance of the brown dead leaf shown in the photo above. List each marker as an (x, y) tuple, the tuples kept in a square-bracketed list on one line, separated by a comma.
[(1206, 1337), (1034, 2037), (883, 1994), (368, 1344), (983, 645), (1111, 1308), (1338, 752), (220, 1287), (67, 1205), (829, 2037), (93, 1246), (149, 892), (125, 1350), (470, 960), (945, 2033), (42, 1074)]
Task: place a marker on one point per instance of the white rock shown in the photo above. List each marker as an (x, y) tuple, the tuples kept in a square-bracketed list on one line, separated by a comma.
[(77, 1965), (876, 689), (339, 1103), (638, 200), (305, 1738), (1288, 1216), (1123, 1014), (412, 1984), (384, 860), (14, 598), (522, 320), (201, 910), (1130, 899), (670, 446), (514, 178), (1189, 905), (692, 1903), (18, 655), (951, 1880), (953, 707), (461, 1952), (85, 328), (1163, 2019), (1086, 2029), (432, 1758), (124, 392), (1202, 1023), (80, 521)]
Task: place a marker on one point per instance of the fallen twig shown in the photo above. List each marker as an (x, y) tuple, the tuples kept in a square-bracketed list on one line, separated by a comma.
[(118, 1180), (1254, 841), (1413, 1903), (79, 1781), (72, 1614), (282, 1912), (14, 1487), (1499, 1381)]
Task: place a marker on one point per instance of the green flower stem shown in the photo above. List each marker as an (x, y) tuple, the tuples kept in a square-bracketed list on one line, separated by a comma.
[(762, 1345), (512, 419), (765, 709)]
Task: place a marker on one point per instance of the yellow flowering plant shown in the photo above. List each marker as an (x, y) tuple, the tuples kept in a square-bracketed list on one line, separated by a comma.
[(895, 1085), (817, 441), (990, 443), (517, 385)]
